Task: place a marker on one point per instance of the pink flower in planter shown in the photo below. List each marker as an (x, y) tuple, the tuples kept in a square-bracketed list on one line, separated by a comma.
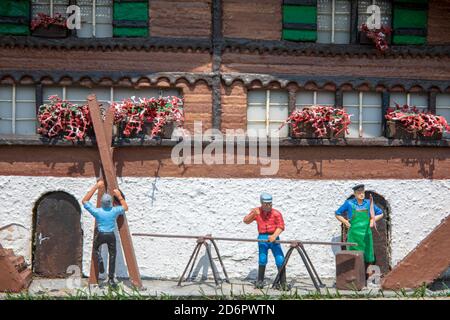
[(378, 36), (44, 20)]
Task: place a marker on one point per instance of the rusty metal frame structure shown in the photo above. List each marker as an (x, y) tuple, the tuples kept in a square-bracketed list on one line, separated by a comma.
[(103, 135), (294, 244)]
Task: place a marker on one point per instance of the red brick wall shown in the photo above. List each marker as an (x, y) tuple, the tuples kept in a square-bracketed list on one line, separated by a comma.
[(252, 19), (439, 22), (234, 106), (180, 18)]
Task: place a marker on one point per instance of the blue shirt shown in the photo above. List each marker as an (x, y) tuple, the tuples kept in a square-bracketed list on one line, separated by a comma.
[(106, 218), (347, 206)]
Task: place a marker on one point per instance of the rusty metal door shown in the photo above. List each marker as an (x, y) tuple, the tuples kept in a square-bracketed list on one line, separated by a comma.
[(58, 237)]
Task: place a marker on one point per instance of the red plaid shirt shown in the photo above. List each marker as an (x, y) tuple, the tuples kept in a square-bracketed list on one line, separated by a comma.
[(268, 222)]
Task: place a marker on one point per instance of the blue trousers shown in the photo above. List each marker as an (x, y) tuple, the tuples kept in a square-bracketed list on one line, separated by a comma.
[(264, 247)]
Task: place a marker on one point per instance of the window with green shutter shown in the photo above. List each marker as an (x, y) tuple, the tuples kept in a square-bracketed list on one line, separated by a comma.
[(130, 18), (15, 17), (300, 20), (410, 21)]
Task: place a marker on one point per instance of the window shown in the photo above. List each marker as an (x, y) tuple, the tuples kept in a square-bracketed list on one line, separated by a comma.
[(105, 95), (49, 7), (266, 111), (14, 17), (443, 106), (420, 100), (309, 98), (96, 18), (385, 11), (333, 21), (17, 110), (410, 21), (366, 111)]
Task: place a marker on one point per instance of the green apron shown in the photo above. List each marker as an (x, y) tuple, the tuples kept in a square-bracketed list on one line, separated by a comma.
[(361, 234)]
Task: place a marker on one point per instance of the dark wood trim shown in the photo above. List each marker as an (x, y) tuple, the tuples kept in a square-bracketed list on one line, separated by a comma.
[(217, 49), (339, 98), (14, 20), (432, 101), (130, 23), (354, 22), (39, 96), (300, 26), (385, 97), (300, 2)]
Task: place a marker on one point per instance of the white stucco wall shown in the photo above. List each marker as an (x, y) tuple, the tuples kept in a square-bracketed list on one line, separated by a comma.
[(199, 206)]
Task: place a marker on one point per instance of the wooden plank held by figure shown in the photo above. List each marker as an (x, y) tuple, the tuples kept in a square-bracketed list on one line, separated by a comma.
[(104, 147), (107, 125)]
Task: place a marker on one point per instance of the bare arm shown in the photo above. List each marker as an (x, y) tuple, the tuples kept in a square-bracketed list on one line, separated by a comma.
[(122, 201), (343, 220), (91, 192), (274, 236), (251, 216), (379, 217)]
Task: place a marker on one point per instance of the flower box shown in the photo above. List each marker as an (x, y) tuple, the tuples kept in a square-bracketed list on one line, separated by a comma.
[(51, 31), (395, 130), (306, 131), (318, 122), (409, 123)]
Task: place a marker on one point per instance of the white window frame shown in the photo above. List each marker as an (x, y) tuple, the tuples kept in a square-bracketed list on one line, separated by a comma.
[(14, 102), (51, 4), (267, 105), (301, 105), (408, 101), (94, 14), (333, 15), (360, 107)]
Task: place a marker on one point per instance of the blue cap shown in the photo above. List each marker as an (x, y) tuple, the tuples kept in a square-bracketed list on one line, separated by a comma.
[(265, 197)]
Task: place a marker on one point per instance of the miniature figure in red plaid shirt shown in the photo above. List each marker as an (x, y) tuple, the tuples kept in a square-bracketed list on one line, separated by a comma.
[(270, 225)]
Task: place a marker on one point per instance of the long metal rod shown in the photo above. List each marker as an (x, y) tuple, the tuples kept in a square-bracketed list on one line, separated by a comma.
[(158, 235)]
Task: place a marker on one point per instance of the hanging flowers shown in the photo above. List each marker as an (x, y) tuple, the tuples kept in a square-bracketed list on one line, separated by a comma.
[(132, 114), (323, 121), (60, 118), (378, 36), (44, 20), (414, 121)]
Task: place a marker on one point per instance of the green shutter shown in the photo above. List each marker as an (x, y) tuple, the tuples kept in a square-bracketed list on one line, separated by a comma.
[(14, 17), (299, 20), (410, 21), (130, 18)]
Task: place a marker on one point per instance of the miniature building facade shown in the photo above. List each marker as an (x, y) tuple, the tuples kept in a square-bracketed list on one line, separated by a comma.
[(238, 65)]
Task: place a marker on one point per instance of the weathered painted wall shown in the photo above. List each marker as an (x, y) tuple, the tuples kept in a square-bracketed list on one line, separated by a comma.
[(217, 206), (439, 22)]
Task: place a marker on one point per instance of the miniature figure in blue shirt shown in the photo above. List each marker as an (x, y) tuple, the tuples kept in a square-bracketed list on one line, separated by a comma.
[(106, 217), (362, 215)]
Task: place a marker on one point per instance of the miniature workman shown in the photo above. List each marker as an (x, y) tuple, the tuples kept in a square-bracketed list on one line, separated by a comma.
[(270, 226), (362, 215), (106, 217)]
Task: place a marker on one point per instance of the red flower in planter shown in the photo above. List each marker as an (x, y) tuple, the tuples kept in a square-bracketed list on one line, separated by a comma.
[(378, 36), (322, 119), (44, 20), (159, 111), (413, 120), (62, 118)]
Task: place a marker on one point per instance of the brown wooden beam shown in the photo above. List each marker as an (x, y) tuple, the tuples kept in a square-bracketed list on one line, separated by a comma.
[(104, 147)]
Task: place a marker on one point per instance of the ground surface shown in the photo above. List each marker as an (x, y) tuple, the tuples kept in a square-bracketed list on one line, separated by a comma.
[(167, 289)]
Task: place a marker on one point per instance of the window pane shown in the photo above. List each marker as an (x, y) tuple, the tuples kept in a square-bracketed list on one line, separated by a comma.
[(351, 98), (445, 112), (26, 127), (278, 112), (123, 93), (278, 97), (5, 92), (273, 127), (25, 93), (353, 130), (5, 126), (171, 92), (40, 6), (25, 110), (305, 98), (371, 98), (257, 96), (51, 91), (103, 30), (256, 129), (443, 100), (78, 95), (5, 109), (397, 97), (372, 114), (372, 130), (341, 37), (354, 112), (256, 113), (420, 100), (325, 98)]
